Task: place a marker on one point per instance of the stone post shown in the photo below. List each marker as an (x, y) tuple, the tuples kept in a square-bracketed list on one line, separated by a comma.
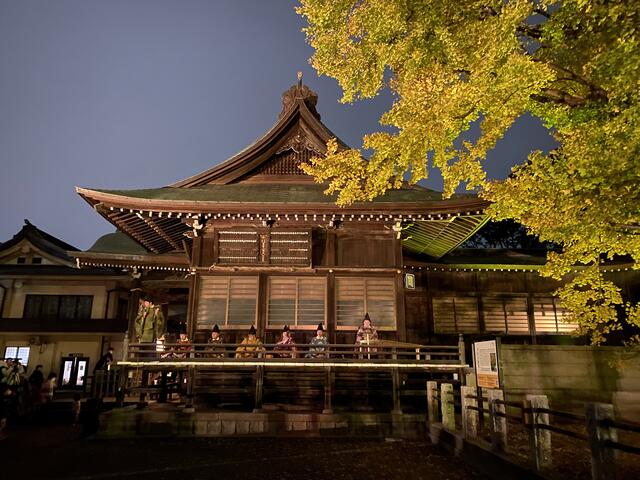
[(432, 402), (447, 407), (469, 415), (497, 424), (603, 459), (540, 439)]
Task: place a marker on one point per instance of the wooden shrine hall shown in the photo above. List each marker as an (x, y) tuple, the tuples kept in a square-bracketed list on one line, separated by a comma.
[(254, 241)]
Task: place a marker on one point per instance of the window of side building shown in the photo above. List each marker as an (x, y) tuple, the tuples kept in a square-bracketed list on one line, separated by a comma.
[(455, 314), (66, 307), (550, 317)]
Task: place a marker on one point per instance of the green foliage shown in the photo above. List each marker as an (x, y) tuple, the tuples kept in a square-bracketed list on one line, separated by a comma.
[(574, 64)]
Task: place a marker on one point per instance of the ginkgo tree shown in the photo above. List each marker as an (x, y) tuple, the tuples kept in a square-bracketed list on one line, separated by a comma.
[(574, 64)]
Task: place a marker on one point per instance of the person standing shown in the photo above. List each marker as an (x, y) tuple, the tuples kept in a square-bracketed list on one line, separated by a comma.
[(367, 333), (105, 361), (149, 322), (36, 379)]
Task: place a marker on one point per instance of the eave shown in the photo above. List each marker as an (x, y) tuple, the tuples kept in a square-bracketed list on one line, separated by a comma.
[(166, 262)]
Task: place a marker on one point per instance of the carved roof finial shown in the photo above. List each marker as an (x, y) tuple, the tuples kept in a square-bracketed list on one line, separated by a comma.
[(299, 92)]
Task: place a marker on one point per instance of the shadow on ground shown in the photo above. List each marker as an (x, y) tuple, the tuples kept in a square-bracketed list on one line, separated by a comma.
[(56, 451)]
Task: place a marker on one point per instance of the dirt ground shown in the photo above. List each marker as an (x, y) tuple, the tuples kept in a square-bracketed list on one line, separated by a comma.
[(57, 452)]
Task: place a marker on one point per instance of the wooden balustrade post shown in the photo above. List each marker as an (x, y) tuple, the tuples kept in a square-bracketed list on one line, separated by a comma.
[(328, 391), (447, 407), (469, 415), (603, 459), (395, 380), (540, 439), (259, 389), (432, 402), (497, 424)]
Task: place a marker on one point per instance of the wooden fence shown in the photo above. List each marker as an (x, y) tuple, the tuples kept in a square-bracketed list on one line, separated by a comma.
[(487, 408)]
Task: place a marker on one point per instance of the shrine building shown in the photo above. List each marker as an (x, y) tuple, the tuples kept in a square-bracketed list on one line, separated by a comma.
[(255, 241)]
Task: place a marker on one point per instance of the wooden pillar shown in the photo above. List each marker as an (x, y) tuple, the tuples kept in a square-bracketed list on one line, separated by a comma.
[(259, 385), (497, 424), (396, 385), (447, 407), (401, 327), (144, 383), (263, 292), (162, 397), (432, 402), (469, 414), (328, 390), (192, 305), (603, 459), (331, 307), (122, 374), (134, 306), (531, 318)]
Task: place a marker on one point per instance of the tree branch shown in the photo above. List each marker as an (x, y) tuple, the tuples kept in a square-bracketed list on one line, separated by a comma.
[(542, 12)]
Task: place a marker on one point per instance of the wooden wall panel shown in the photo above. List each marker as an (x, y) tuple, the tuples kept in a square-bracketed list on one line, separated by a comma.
[(358, 250)]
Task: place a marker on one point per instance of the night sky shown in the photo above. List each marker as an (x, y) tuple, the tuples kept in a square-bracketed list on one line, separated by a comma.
[(142, 93)]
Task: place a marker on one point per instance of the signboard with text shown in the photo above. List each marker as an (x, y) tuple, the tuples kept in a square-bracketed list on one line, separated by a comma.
[(485, 361)]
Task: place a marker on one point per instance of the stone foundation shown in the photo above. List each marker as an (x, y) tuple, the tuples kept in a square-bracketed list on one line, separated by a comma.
[(169, 421)]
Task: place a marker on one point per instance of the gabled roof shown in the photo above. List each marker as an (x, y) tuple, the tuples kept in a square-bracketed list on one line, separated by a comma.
[(298, 128), (264, 180), (41, 240)]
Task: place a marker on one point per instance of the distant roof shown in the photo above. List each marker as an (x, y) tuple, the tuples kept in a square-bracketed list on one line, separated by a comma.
[(117, 242), (42, 240)]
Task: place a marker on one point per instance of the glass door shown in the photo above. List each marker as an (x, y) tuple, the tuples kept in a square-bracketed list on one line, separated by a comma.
[(73, 371)]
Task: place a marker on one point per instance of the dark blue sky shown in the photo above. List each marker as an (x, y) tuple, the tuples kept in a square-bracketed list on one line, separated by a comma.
[(142, 93)]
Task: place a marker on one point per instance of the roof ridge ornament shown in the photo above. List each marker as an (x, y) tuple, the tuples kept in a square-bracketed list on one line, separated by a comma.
[(299, 92)]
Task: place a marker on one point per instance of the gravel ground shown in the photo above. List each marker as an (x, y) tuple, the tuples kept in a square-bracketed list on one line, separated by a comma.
[(57, 452)]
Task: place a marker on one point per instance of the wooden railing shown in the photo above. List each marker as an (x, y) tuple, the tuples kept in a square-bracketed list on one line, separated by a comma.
[(481, 408), (379, 353)]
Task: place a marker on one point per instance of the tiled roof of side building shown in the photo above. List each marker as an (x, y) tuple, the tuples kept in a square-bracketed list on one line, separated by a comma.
[(119, 243)]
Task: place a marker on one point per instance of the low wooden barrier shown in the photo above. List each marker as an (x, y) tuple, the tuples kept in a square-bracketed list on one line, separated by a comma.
[(536, 416)]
